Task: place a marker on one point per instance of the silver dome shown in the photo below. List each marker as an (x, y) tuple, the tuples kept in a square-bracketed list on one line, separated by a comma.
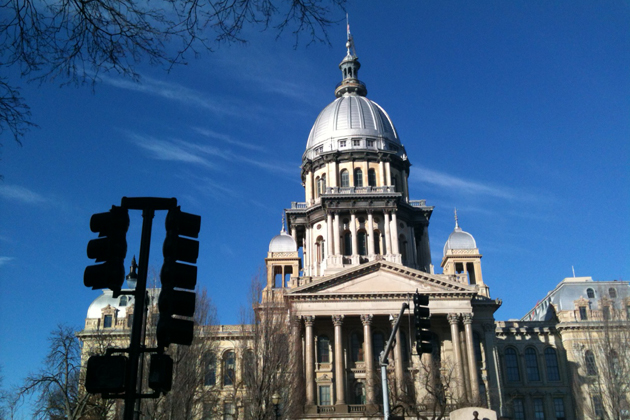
[(352, 117), (459, 239), (282, 243)]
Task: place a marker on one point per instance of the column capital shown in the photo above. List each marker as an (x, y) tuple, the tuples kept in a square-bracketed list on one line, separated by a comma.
[(337, 320), (309, 320), (367, 319), (452, 318), (467, 318)]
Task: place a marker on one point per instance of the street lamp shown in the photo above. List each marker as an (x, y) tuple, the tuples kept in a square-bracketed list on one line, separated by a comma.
[(275, 399)]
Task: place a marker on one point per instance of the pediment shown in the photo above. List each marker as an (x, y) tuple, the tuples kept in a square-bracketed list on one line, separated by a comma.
[(381, 277)]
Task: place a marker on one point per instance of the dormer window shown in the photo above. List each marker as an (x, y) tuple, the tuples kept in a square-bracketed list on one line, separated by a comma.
[(107, 321), (590, 293), (370, 142), (342, 143), (123, 301), (319, 150), (356, 143), (612, 292)]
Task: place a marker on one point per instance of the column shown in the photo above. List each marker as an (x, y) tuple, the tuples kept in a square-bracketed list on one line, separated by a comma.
[(388, 239), (453, 319), (339, 370), (398, 359), (307, 252), (334, 175), (353, 232), (472, 362), (394, 232), (294, 233), (370, 231), (368, 357), (388, 173), (309, 363), (381, 172), (405, 186), (336, 235), (329, 223)]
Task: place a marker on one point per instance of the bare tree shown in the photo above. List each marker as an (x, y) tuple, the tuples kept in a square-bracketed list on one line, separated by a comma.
[(191, 389), (602, 378), (59, 384), (433, 395), (270, 362), (74, 41)]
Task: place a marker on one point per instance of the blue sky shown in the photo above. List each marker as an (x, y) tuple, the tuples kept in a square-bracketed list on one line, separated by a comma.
[(517, 113)]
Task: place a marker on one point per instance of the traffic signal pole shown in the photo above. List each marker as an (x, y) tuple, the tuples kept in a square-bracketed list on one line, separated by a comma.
[(384, 362), (148, 206)]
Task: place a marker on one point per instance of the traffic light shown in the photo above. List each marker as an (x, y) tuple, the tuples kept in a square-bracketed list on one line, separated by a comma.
[(109, 249), (106, 374), (423, 323), (161, 373), (178, 306)]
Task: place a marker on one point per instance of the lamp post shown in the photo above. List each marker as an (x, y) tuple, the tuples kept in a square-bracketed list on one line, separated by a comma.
[(275, 399)]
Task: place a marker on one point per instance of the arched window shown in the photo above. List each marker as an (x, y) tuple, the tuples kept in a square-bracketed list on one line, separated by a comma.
[(358, 177), (362, 242), (612, 292), (356, 346), (345, 178), (319, 249), (210, 370), (371, 177), (377, 242), (378, 344), (347, 243), (318, 187), (123, 301), (590, 293), (589, 361), (551, 360), (323, 350), (323, 184), (511, 365), (531, 362), (402, 247), (229, 368)]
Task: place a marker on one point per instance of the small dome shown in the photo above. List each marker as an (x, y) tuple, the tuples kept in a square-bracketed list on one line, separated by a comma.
[(282, 243), (459, 239)]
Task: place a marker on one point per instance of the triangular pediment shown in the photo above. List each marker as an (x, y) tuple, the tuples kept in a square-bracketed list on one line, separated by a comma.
[(382, 277)]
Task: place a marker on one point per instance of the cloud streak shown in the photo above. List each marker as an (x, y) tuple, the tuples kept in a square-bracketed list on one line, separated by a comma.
[(174, 92), (466, 186), (5, 260), (16, 193)]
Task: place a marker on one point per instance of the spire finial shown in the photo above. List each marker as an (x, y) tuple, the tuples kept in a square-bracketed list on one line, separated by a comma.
[(283, 230), (349, 67), (456, 221), (349, 40)]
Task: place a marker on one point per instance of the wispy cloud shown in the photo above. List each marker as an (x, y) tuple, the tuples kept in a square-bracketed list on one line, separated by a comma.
[(466, 186), (5, 260), (175, 92), (168, 150), (16, 193), (227, 139)]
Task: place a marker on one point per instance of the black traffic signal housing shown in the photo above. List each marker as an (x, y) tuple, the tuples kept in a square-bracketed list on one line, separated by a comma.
[(109, 249), (422, 323), (106, 374), (161, 373), (177, 299)]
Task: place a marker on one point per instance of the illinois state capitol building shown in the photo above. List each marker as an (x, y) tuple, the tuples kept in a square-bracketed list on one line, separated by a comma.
[(366, 251)]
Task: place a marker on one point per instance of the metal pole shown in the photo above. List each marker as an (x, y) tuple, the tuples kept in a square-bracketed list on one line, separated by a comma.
[(136, 331), (383, 362)]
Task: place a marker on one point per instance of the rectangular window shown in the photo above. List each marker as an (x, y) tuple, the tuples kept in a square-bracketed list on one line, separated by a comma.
[(356, 143), (519, 409), (319, 150), (324, 395), (107, 321), (370, 143), (558, 406), (539, 409), (583, 315), (342, 143), (598, 407)]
